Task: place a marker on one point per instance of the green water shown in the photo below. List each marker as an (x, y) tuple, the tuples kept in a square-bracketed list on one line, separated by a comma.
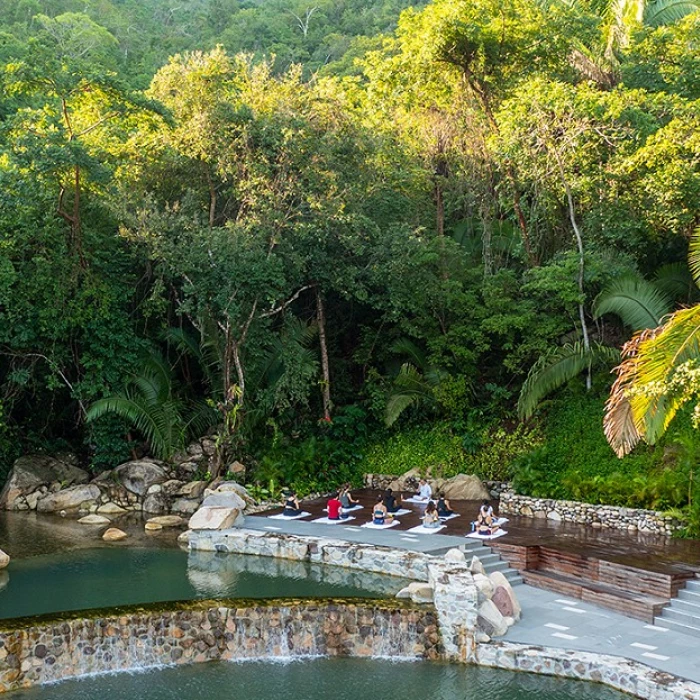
[(321, 679), (95, 578)]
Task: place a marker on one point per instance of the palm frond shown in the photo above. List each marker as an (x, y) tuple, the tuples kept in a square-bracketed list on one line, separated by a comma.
[(675, 280), (658, 358), (406, 347), (694, 256), (639, 303), (409, 387), (660, 12), (555, 368), (619, 425)]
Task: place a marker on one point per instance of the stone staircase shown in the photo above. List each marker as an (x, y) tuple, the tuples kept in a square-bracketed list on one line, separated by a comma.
[(683, 613), (491, 560)]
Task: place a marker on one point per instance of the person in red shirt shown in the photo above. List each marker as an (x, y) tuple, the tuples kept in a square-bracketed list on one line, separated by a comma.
[(334, 506)]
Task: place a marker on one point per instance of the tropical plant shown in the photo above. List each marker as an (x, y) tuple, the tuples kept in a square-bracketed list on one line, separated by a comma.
[(660, 374), (149, 403), (415, 382), (639, 303)]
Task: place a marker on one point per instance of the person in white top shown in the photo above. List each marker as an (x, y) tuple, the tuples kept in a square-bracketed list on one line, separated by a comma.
[(486, 510), (425, 493)]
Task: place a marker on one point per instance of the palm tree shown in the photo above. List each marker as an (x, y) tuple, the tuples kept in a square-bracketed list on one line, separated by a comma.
[(600, 63), (639, 303), (659, 375), (414, 384), (149, 403)]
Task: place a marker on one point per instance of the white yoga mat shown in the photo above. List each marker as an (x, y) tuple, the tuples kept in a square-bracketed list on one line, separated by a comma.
[(415, 499), (477, 536), (386, 526), (422, 530), (401, 511), (449, 517), (346, 510), (303, 514), (328, 521), (496, 521)]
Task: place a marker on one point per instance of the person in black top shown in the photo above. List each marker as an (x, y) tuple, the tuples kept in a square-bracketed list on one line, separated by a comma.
[(291, 504), (390, 502), (443, 506)]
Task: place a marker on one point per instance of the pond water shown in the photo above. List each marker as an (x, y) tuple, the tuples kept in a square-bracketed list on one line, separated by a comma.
[(321, 679), (95, 578)]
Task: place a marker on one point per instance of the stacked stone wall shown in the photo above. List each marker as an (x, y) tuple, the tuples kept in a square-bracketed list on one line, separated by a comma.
[(42, 650), (597, 516)]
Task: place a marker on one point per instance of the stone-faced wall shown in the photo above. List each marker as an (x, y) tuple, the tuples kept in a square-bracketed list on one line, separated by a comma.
[(320, 550), (597, 516), (40, 650)]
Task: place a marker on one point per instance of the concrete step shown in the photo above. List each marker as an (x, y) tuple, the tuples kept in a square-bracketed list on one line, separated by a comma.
[(691, 608), (693, 586), (690, 596), (496, 566), (677, 626), (679, 615)]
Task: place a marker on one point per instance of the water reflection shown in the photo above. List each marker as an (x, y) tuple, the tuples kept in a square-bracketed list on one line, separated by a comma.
[(212, 574)]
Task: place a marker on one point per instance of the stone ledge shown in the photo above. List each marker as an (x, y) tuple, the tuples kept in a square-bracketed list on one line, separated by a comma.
[(617, 672)]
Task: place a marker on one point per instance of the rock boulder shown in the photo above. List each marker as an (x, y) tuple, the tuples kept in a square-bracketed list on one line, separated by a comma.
[(4, 559), (114, 534), (465, 487), (490, 621), (94, 519), (33, 471), (69, 499), (138, 476), (215, 518)]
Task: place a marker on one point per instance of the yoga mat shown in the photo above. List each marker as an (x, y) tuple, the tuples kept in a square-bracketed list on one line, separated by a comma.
[(346, 510), (303, 514), (477, 536), (422, 530), (401, 511), (386, 526), (327, 521), (414, 499), (449, 517)]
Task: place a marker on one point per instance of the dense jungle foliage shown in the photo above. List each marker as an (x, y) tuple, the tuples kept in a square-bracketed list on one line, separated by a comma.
[(339, 235)]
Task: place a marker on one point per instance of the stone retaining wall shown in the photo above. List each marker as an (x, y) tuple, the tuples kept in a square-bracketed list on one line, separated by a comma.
[(597, 516), (41, 650), (320, 550), (622, 674)]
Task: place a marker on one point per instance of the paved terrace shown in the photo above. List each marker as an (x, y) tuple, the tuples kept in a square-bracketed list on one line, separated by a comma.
[(549, 619)]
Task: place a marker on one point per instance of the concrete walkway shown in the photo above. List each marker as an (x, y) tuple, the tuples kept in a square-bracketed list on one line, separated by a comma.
[(548, 619), (552, 620)]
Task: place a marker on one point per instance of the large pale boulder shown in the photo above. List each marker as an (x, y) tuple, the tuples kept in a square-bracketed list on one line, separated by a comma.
[(4, 559), (464, 487), (484, 586), (476, 567), (138, 476), (231, 487), (455, 557), (114, 534), (215, 518), (511, 607), (94, 519), (225, 499), (490, 621), (68, 499), (33, 471)]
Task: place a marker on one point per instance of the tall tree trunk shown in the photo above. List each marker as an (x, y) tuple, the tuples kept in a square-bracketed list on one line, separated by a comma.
[(326, 382), (581, 263)]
